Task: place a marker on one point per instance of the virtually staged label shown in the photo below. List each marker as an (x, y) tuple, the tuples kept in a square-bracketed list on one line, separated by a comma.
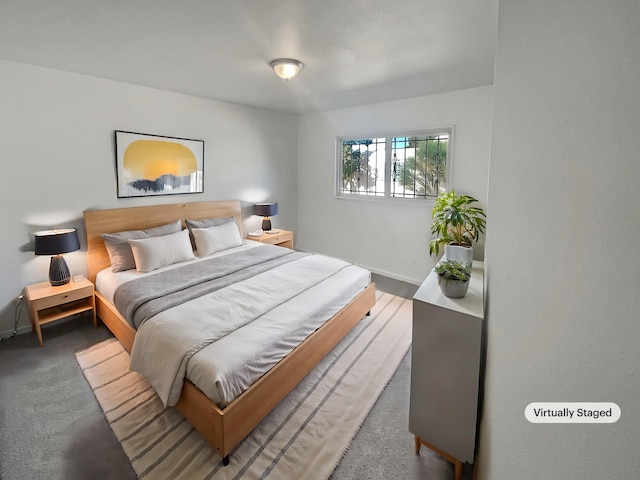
[(572, 412)]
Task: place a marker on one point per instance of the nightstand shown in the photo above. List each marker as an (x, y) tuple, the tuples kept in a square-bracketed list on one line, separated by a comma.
[(283, 238), (48, 303)]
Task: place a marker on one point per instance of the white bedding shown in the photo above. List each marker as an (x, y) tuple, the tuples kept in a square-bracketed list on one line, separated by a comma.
[(271, 324)]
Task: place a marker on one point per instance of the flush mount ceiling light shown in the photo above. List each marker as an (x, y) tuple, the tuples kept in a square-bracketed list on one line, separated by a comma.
[(286, 67)]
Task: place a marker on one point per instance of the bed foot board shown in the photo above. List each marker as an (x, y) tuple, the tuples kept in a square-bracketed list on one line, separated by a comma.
[(225, 429)]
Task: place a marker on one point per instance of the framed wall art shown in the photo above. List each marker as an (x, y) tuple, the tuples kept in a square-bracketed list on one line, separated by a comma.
[(158, 165)]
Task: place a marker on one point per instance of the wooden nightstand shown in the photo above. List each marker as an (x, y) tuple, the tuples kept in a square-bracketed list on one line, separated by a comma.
[(48, 303), (283, 238)]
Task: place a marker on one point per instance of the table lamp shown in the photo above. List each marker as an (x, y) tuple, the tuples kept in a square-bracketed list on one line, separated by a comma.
[(266, 210), (57, 242)]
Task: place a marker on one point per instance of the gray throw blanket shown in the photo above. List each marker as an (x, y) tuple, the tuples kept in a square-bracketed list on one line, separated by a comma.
[(140, 299)]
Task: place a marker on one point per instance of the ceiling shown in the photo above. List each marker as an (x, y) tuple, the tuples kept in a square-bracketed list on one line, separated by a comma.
[(355, 51)]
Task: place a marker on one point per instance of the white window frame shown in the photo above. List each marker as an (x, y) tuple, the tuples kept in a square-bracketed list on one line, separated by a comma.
[(448, 129)]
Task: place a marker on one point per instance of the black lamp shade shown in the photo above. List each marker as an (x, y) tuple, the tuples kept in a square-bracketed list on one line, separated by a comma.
[(57, 242), (266, 210)]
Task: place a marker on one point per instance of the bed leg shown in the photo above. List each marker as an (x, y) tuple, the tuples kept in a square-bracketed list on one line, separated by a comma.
[(225, 460), (368, 314)]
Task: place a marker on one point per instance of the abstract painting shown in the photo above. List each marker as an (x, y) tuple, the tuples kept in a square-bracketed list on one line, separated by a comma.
[(158, 165)]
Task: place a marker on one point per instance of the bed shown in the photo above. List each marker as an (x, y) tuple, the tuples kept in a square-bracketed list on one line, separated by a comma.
[(227, 425)]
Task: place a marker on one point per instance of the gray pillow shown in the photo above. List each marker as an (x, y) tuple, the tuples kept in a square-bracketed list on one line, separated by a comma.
[(208, 222), (118, 247)]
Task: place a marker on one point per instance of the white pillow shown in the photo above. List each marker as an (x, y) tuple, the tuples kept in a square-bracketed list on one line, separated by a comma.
[(155, 252), (215, 239)]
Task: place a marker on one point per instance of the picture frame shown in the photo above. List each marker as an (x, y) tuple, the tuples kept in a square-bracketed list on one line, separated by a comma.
[(148, 165)]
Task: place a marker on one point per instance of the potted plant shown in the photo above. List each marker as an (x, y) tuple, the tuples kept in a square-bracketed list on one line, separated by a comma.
[(453, 277), (458, 223)]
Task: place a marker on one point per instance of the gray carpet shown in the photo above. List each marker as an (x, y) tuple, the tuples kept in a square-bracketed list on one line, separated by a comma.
[(51, 426)]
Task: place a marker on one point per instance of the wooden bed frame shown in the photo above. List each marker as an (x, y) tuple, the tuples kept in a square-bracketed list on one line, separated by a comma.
[(224, 428)]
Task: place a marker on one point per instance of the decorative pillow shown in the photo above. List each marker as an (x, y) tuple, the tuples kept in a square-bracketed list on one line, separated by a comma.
[(155, 252), (215, 239), (208, 222), (119, 249)]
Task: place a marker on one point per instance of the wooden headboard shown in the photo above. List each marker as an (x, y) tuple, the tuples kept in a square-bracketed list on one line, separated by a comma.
[(114, 220)]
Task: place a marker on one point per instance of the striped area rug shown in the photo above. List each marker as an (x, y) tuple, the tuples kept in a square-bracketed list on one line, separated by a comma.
[(304, 437)]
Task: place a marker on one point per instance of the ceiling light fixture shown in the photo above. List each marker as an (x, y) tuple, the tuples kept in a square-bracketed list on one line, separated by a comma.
[(286, 67)]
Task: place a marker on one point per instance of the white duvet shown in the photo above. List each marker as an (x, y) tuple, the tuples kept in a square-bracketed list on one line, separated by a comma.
[(225, 340)]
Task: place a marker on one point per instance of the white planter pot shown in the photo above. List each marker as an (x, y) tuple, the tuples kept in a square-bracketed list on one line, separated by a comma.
[(459, 253), (453, 288)]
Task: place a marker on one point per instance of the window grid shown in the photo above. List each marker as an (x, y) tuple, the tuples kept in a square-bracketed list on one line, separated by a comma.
[(414, 167), (363, 166)]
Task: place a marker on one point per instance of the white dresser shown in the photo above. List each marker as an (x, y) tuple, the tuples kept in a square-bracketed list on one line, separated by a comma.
[(445, 368)]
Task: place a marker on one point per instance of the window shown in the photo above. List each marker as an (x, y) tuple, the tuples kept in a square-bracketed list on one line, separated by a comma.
[(403, 166)]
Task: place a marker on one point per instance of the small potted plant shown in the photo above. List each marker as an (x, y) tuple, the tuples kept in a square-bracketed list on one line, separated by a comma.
[(458, 223), (453, 277)]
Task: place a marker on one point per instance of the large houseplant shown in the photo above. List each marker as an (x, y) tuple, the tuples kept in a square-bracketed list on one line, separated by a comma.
[(453, 277), (457, 222)]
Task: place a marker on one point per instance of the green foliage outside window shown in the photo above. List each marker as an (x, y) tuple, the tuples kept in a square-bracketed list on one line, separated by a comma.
[(411, 166), (356, 171), (425, 173)]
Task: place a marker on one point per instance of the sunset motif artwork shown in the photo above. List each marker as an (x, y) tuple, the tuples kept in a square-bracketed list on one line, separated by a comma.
[(157, 165)]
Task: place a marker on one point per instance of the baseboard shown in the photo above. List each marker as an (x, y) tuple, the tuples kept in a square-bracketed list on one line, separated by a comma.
[(19, 331), (394, 276), (28, 329), (384, 273)]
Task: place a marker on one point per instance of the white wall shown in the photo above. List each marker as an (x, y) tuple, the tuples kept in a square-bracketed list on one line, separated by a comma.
[(57, 157), (562, 243), (388, 237)]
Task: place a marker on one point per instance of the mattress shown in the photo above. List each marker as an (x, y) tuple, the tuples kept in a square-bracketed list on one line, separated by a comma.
[(227, 366)]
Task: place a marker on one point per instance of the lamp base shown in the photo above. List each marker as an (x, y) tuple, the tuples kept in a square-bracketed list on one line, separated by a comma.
[(266, 224), (58, 271)]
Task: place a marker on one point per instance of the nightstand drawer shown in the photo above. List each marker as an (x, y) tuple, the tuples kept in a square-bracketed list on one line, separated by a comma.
[(64, 297), (283, 238), (278, 238)]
